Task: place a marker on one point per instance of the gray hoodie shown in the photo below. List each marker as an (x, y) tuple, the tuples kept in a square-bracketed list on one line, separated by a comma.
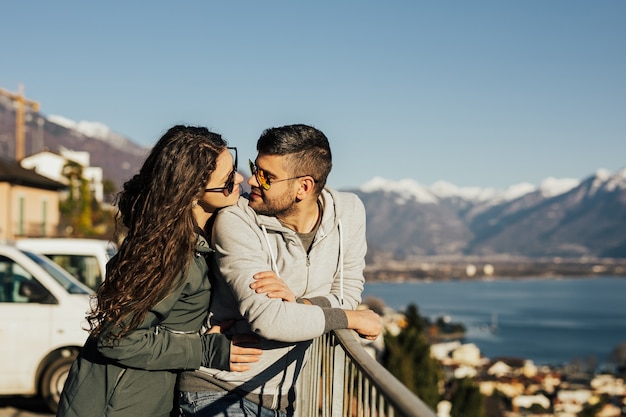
[(330, 275)]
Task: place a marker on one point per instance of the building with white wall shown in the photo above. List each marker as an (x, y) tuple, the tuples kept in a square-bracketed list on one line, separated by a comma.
[(50, 164)]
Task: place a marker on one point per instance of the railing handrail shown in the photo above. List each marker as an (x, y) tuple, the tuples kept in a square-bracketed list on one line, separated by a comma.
[(396, 393)]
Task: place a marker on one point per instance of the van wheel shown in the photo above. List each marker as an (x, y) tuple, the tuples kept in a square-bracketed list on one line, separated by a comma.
[(54, 378)]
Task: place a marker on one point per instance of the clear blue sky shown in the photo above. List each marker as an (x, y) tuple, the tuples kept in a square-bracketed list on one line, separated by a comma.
[(477, 93)]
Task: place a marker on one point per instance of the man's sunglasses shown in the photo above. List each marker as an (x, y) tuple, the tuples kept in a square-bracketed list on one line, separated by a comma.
[(262, 178), (228, 187)]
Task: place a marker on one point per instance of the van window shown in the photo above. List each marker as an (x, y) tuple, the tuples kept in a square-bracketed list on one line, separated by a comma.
[(12, 275), (57, 273), (84, 268)]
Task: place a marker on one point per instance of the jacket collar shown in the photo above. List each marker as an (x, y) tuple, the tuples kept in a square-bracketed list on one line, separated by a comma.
[(202, 245)]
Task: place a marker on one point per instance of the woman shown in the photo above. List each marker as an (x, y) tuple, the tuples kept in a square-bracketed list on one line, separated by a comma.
[(149, 310)]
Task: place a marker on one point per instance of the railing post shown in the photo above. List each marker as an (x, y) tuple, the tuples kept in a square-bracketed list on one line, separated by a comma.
[(339, 380)]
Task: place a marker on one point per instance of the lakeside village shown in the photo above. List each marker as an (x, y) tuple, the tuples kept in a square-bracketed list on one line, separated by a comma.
[(440, 268), (512, 387)]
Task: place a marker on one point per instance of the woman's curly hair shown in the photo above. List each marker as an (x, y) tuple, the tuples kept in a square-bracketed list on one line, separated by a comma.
[(155, 207)]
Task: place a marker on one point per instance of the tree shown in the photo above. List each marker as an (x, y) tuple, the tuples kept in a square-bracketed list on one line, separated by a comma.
[(407, 357), (84, 208), (618, 358), (592, 410), (77, 207), (81, 214), (466, 399), (109, 189)]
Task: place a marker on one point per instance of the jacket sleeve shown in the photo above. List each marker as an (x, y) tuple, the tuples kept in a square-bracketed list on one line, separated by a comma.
[(354, 249), (152, 347), (241, 253)]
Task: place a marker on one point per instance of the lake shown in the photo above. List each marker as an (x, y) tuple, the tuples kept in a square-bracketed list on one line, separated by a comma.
[(550, 321)]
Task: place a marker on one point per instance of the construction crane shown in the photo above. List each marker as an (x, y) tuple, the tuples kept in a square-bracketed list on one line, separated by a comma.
[(19, 118)]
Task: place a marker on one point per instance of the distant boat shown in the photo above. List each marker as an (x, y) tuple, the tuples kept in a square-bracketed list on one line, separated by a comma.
[(493, 326), (494, 322)]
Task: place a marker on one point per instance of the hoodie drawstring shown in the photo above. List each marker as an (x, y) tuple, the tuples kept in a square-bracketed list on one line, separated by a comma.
[(340, 261), (269, 247)]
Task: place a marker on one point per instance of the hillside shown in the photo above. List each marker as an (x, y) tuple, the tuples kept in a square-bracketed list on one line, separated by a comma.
[(118, 157)]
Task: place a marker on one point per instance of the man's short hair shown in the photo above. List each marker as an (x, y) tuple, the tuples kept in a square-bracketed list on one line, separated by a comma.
[(306, 148)]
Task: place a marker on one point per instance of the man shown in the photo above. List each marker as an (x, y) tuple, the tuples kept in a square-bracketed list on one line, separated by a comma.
[(313, 238)]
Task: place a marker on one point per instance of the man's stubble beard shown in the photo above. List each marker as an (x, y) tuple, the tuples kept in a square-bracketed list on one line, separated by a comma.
[(282, 205)]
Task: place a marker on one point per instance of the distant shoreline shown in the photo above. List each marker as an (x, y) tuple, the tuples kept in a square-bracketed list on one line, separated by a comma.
[(487, 279), (438, 269)]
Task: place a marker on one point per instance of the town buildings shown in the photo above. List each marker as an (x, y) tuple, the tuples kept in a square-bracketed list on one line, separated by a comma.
[(530, 389)]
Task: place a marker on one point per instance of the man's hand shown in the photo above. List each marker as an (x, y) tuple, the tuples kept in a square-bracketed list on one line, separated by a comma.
[(269, 283), (365, 322), (241, 351), (242, 354)]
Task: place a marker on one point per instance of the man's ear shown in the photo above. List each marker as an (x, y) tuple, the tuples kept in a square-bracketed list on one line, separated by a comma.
[(307, 188)]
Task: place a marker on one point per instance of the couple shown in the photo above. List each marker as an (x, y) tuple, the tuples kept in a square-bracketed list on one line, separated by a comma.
[(277, 270)]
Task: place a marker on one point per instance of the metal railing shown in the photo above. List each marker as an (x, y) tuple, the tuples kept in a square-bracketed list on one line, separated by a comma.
[(342, 380)]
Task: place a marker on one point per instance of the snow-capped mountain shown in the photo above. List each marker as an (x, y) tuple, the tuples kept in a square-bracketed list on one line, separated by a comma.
[(560, 217), (118, 156), (440, 190), (98, 131)]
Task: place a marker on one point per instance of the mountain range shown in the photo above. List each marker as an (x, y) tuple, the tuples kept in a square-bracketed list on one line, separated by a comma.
[(405, 220), (561, 218)]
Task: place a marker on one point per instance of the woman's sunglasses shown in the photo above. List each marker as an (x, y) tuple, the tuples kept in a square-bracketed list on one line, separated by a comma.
[(229, 185)]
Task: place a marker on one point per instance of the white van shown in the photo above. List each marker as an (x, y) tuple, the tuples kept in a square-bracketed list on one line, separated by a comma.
[(85, 259), (42, 324)]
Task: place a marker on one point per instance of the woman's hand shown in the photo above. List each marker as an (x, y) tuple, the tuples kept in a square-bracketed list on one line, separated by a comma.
[(365, 322), (269, 283)]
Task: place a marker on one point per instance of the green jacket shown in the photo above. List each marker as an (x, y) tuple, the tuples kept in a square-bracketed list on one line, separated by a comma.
[(137, 376)]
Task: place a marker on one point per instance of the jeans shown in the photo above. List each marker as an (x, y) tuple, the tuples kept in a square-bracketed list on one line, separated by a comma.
[(222, 404)]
